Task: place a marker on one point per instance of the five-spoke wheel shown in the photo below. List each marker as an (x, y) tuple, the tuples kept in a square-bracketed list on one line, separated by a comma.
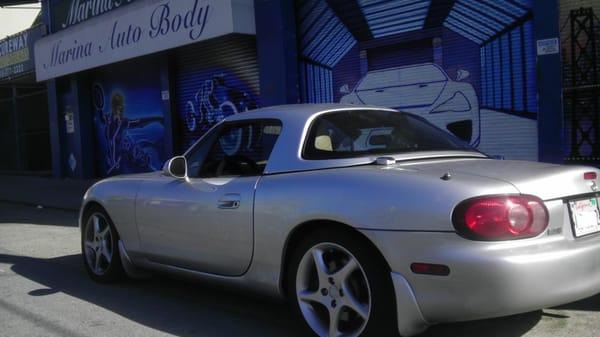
[(99, 244), (333, 291), (340, 287)]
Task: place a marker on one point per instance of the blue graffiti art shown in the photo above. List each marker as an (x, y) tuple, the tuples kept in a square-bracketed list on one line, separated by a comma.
[(219, 95)]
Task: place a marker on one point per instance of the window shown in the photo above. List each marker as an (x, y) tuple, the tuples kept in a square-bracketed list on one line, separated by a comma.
[(234, 149), (359, 133), (425, 73)]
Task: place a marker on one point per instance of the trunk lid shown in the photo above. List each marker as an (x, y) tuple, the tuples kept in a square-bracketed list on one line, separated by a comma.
[(546, 181)]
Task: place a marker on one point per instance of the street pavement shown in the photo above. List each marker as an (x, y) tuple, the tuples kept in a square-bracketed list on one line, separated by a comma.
[(44, 291)]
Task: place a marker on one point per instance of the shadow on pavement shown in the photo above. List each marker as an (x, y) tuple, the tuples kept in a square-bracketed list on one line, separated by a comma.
[(190, 309), (588, 304), (26, 214), (512, 326), (170, 306)]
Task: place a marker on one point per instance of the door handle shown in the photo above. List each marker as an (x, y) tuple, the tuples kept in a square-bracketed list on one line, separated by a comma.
[(380, 90), (422, 85), (230, 201)]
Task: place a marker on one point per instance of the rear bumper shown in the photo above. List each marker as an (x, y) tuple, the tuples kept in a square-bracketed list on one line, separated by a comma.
[(490, 279)]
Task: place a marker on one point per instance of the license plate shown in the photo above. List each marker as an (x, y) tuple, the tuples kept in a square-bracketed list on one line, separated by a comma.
[(585, 215)]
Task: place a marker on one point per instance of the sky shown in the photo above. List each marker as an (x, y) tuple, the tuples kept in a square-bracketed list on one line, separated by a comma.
[(15, 20)]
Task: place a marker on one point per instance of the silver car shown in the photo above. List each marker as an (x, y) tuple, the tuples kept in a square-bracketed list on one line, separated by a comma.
[(368, 220)]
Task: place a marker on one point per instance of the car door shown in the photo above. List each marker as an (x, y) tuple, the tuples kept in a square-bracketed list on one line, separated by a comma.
[(205, 222)]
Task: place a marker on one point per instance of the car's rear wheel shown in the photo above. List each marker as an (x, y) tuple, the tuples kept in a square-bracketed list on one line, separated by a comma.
[(340, 287), (99, 245)]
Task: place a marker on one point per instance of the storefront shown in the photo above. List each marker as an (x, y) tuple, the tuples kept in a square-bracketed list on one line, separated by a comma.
[(24, 127), (138, 81), (135, 82)]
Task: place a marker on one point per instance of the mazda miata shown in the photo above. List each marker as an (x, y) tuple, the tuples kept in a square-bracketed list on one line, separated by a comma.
[(369, 221)]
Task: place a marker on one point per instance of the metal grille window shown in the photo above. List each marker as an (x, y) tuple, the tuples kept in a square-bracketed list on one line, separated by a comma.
[(581, 81)]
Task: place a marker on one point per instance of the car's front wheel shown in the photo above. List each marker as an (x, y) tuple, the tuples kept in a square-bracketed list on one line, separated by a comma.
[(340, 287), (99, 245)]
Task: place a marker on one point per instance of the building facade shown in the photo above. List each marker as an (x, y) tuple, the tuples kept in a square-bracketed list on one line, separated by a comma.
[(132, 83), (24, 123)]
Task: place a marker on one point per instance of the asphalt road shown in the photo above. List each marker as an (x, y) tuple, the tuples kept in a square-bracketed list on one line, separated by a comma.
[(44, 291)]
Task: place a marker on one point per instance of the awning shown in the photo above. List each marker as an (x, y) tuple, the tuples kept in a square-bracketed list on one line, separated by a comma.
[(142, 28)]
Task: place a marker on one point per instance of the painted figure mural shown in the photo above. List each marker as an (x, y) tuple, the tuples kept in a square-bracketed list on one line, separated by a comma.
[(129, 125)]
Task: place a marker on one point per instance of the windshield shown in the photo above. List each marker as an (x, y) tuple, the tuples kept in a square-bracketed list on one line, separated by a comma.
[(357, 133), (425, 73)]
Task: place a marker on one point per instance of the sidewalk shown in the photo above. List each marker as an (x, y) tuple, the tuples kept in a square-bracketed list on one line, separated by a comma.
[(41, 191)]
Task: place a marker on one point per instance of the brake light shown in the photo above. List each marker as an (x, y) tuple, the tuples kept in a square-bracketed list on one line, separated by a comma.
[(495, 218), (590, 176)]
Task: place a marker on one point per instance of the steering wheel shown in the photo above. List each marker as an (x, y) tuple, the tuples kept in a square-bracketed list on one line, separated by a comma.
[(235, 163)]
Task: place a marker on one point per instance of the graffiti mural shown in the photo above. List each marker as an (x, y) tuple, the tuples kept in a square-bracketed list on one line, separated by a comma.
[(214, 101), (219, 95), (467, 66), (128, 121), (213, 80)]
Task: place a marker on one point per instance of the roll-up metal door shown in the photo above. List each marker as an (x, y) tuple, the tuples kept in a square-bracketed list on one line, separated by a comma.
[(213, 79)]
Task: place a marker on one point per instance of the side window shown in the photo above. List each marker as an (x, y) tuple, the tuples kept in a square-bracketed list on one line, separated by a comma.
[(240, 149)]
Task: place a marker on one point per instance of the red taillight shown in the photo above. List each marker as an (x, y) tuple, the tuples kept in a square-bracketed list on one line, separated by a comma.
[(590, 176), (501, 217)]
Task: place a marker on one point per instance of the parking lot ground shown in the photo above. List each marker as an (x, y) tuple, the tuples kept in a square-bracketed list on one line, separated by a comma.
[(44, 291)]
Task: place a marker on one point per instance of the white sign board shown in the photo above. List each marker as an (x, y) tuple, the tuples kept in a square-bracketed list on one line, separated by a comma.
[(548, 47), (165, 95), (142, 28)]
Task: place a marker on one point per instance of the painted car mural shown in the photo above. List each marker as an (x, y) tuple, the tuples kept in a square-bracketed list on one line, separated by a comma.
[(426, 90), (445, 61)]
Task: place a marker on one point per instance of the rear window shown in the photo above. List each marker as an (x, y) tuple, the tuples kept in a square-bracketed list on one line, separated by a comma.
[(357, 133)]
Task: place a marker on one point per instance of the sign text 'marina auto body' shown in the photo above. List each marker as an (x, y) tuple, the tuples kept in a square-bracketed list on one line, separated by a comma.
[(162, 22), (81, 10), (141, 28)]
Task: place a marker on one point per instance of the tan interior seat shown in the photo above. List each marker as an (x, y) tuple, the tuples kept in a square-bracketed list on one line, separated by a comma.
[(323, 143)]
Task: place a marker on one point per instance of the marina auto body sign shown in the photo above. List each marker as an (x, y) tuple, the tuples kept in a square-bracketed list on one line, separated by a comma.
[(141, 28), (66, 13), (16, 52)]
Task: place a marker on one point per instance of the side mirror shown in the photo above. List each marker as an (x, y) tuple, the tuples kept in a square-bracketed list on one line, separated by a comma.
[(345, 89), (462, 74), (176, 167)]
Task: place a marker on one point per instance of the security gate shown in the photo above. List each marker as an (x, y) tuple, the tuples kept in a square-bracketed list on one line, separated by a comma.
[(581, 76)]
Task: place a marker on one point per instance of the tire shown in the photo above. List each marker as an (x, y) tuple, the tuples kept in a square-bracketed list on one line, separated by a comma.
[(363, 286), (100, 247)]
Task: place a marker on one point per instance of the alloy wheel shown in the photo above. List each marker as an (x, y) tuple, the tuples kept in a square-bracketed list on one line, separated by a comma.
[(98, 244), (333, 291)]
